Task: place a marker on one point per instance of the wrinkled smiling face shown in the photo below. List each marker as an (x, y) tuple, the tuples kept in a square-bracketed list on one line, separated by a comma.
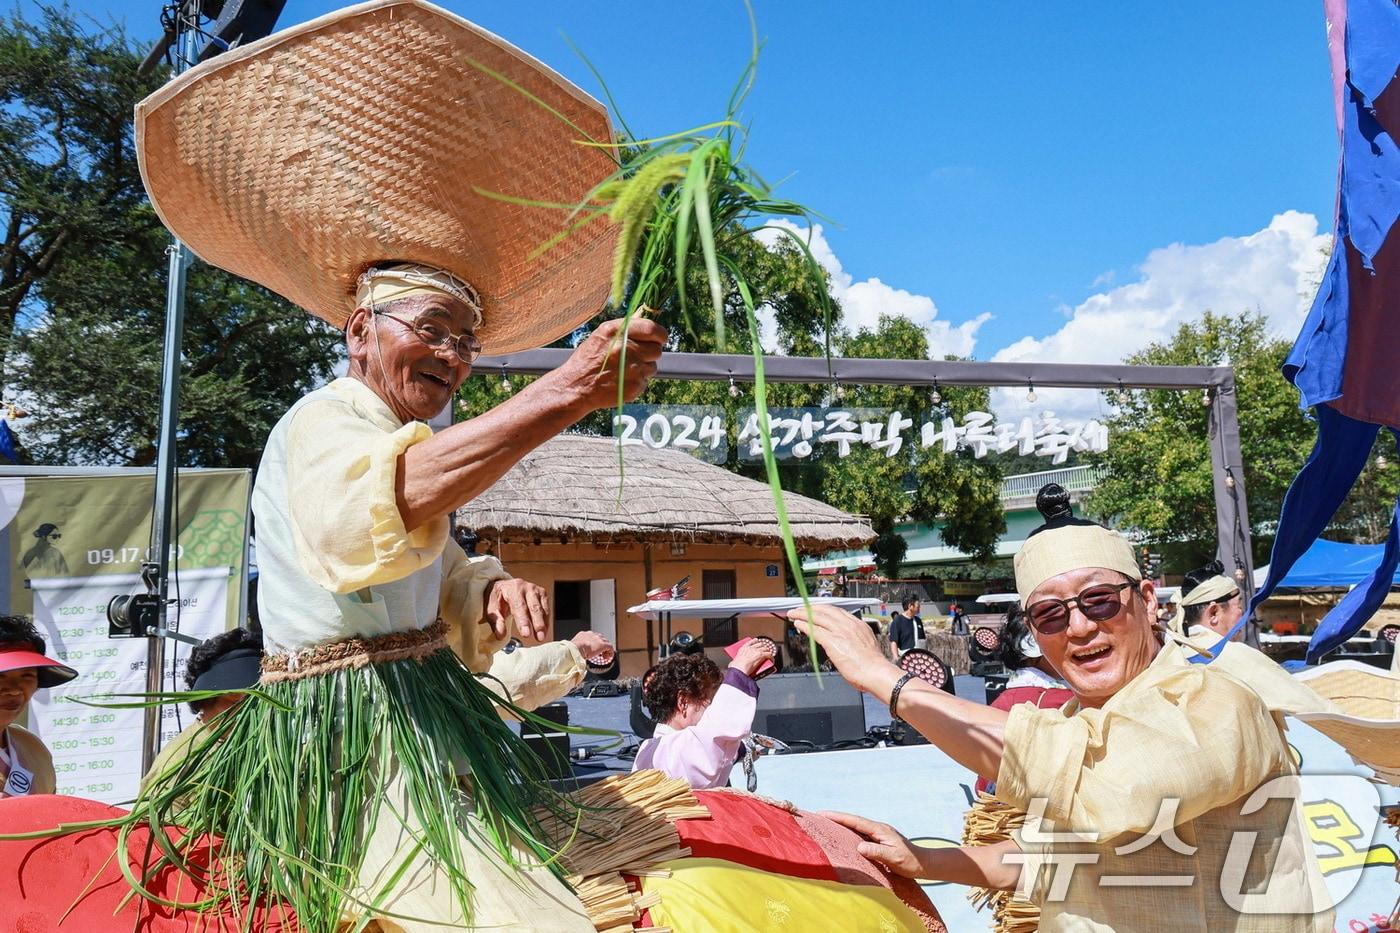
[(1097, 659), (415, 380)]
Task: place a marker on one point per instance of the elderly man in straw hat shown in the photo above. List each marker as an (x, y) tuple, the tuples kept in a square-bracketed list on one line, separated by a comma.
[(1161, 797), (350, 164)]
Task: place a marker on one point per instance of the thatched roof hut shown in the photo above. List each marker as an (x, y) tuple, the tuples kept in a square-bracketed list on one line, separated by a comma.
[(568, 488)]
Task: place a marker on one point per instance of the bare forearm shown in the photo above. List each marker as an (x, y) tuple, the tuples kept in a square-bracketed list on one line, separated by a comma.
[(458, 464), (969, 733), (976, 866)]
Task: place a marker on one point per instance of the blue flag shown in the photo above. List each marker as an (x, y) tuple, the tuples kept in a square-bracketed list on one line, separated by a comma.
[(1343, 363), (8, 450)]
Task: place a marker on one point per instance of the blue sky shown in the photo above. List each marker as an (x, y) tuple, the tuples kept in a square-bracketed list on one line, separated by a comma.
[(1017, 160)]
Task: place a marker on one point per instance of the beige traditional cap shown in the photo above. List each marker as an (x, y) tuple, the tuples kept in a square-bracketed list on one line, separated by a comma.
[(1065, 543), (366, 137), (1209, 590)]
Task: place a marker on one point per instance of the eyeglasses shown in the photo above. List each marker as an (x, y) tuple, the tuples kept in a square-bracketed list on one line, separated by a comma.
[(1099, 603), (436, 336)]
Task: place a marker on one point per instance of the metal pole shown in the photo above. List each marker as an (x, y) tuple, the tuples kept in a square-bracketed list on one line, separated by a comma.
[(162, 534), (1231, 506), (854, 371)]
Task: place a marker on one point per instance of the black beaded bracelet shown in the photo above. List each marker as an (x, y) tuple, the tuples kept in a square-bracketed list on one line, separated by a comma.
[(894, 694)]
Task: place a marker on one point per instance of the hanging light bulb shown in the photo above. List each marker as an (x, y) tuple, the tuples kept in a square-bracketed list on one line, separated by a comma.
[(1239, 574), (733, 389), (1229, 481), (839, 392), (1030, 394), (934, 395), (505, 383), (1205, 398)]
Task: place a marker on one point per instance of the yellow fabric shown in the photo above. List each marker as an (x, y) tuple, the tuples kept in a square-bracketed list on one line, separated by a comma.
[(504, 899), (342, 458), (1179, 732), (1071, 547), (531, 677), (465, 581), (718, 896), (1280, 690), (35, 756), (1217, 587)]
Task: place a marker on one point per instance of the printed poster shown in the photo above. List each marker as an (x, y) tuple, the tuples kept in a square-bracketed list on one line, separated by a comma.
[(72, 540)]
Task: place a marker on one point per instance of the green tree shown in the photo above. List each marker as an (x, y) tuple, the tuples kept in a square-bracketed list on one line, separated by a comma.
[(1159, 479), (82, 276), (924, 486)]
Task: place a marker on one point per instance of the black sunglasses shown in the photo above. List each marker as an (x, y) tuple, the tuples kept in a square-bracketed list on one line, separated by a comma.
[(1099, 603)]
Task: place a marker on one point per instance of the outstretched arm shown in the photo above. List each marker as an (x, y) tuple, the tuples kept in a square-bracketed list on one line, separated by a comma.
[(969, 733), (976, 866), (459, 463)]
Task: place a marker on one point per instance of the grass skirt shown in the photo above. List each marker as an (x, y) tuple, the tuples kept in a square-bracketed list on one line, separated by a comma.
[(293, 780)]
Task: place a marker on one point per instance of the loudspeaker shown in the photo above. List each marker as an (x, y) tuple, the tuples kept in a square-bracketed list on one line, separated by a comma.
[(792, 707), (552, 746), (643, 726)]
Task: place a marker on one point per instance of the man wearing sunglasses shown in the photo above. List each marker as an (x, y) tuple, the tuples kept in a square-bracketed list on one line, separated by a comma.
[(1141, 790)]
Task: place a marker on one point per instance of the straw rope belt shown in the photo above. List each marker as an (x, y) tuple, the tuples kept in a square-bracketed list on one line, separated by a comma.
[(353, 653)]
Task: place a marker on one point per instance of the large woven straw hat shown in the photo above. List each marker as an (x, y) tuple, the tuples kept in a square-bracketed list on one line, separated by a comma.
[(365, 137), (1368, 724)]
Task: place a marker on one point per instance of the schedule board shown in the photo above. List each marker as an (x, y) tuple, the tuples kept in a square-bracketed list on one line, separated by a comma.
[(73, 539)]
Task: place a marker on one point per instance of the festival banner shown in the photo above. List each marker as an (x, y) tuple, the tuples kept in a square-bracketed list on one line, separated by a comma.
[(705, 432), (74, 539)]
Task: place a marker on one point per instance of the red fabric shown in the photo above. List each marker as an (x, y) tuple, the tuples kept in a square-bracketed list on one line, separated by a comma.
[(750, 832), (44, 879)]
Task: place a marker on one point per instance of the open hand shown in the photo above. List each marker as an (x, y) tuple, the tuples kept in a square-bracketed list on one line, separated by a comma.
[(592, 645), (522, 602), (752, 656), (883, 844), (847, 641)]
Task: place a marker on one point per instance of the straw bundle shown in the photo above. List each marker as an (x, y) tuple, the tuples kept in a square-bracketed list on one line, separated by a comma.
[(569, 487), (1368, 726), (371, 135), (623, 824), (1369, 693), (989, 821)]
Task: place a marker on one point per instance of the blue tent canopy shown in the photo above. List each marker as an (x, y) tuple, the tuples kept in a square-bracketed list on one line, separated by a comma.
[(1332, 563)]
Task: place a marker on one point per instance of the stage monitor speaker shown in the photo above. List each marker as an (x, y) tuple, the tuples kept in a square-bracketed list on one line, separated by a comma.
[(792, 707), (1372, 658), (552, 746)]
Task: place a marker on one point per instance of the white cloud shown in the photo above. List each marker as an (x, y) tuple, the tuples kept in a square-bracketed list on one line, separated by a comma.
[(863, 302), (1272, 272)]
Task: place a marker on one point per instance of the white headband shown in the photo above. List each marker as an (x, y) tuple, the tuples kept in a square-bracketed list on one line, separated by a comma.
[(1217, 587), (381, 285)]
